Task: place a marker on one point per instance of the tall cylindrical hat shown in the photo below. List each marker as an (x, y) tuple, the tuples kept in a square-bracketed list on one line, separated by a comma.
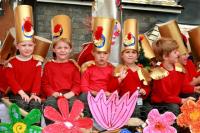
[(102, 33), (41, 48), (170, 29), (24, 23), (8, 48), (130, 35), (148, 51), (195, 41), (61, 27)]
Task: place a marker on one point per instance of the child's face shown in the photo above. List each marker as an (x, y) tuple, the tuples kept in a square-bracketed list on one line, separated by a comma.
[(62, 51), (183, 59), (25, 48), (172, 57), (129, 56), (101, 57)]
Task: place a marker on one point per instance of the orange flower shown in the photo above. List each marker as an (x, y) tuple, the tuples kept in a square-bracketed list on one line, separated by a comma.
[(190, 116)]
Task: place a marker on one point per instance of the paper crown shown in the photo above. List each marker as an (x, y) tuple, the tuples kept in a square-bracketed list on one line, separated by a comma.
[(102, 33), (170, 29), (195, 41), (148, 51), (61, 27), (41, 48), (130, 35), (8, 48), (24, 23)]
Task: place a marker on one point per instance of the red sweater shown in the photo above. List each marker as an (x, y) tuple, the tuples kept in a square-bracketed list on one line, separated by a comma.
[(96, 78), (24, 75), (60, 77), (191, 70), (128, 84), (167, 89)]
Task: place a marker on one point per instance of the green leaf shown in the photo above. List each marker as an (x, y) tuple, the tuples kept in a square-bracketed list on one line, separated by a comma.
[(33, 117), (14, 113), (5, 128), (34, 129)]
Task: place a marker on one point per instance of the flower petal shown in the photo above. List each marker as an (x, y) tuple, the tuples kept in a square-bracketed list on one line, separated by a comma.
[(56, 128), (63, 106), (35, 129), (5, 127), (168, 118), (170, 129), (33, 117), (84, 123), (14, 113), (153, 116), (77, 109), (52, 114)]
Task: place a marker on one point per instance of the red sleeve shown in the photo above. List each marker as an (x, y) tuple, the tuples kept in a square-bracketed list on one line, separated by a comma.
[(37, 81), (10, 77), (186, 87), (85, 86), (76, 82), (113, 84), (165, 96), (46, 88)]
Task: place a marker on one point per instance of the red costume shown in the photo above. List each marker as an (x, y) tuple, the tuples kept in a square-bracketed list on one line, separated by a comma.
[(96, 78), (128, 84), (191, 70), (168, 88), (60, 77), (3, 83), (86, 53), (24, 75)]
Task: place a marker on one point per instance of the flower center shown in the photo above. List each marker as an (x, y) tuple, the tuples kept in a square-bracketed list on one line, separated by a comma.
[(159, 126), (68, 124), (195, 115), (19, 127)]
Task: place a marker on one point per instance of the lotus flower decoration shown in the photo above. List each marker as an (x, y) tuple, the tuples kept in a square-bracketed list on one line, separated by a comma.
[(113, 112)]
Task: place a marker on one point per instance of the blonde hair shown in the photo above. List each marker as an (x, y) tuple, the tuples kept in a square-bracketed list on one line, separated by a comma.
[(55, 41), (164, 46)]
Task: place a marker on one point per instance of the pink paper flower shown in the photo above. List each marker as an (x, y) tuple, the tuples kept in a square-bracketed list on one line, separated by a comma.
[(112, 113), (66, 122), (160, 123)]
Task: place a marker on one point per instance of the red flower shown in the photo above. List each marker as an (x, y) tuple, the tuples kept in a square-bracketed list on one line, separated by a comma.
[(57, 28), (66, 122), (129, 36), (27, 26), (98, 32)]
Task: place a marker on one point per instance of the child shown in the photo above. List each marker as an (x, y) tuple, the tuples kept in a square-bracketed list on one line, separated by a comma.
[(96, 74), (131, 76), (169, 78), (61, 75), (23, 73)]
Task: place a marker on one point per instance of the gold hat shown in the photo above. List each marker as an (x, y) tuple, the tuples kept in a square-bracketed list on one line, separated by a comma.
[(41, 48), (148, 51), (24, 23), (170, 29), (61, 27), (195, 41), (8, 47), (130, 35), (102, 34)]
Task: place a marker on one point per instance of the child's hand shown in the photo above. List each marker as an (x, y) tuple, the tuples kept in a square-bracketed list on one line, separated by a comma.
[(56, 94), (69, 95), (142, 92), (122, 74), (94, 93), (197, 89), (24, 96), (195, 81), (35, 97), (183, 100), (107, 94)]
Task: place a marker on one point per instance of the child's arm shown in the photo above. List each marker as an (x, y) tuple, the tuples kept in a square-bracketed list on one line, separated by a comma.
[(76, 82), (85, 86)]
